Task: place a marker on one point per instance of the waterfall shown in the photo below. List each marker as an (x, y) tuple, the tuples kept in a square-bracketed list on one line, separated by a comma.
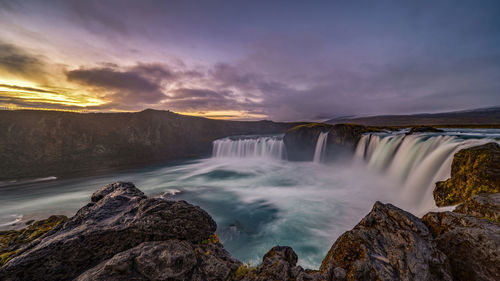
[(250, 146), (320, 150), (414, 162)]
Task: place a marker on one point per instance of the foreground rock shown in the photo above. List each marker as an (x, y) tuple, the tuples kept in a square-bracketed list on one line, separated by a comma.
[(124, 235), (471, 244), (166, 260), (474, 170), (120, 217), (388, 244), (486, 205), (11, 241)]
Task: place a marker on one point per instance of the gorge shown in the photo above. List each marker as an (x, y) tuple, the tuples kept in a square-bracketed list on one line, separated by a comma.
[(271, 199)]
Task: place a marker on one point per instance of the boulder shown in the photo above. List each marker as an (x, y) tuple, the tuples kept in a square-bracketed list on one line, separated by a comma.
[(120, 217), (388, 244), (471, 244), (166, 260), (474, 170), (280, 263), (485, 205)]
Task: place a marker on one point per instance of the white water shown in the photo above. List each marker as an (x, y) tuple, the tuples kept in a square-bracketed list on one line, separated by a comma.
[(243, 147), (320, 150), (414, 163)]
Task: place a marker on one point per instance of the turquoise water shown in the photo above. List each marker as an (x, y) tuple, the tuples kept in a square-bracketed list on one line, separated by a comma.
[(257, 203)]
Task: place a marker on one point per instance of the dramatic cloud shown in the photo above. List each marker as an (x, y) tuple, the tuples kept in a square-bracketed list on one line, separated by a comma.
[(258, 59), (137, 85), (16, 62)]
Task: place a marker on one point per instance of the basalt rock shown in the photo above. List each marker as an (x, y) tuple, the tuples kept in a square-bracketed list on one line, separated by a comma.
[(166, 260), (388, 244), (471, 244), (486, 205), (119, 218), (11, 241), (423, 129), (124, 235), (280, 263), (300, 141), (474, 170)]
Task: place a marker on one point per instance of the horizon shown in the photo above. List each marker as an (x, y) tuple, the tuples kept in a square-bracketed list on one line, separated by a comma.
[(348, 118), (250, 61)]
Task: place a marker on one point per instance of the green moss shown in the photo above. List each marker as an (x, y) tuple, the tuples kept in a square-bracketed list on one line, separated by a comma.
[(212, 239), (5, 257), (244, 270), (11, 240), (474, 170)]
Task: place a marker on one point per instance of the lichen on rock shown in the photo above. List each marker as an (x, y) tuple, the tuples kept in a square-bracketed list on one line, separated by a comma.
[(474, 170), (12, 240)]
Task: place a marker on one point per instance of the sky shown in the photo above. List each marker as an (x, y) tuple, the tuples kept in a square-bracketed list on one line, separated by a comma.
[(251, 60)]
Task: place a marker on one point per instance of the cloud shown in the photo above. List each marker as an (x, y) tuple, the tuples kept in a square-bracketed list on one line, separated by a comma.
[(14, 61), (137, 85), (192, 99), (28, 89)]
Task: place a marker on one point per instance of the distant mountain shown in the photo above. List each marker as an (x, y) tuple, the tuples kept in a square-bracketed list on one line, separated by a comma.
[(475, 117)]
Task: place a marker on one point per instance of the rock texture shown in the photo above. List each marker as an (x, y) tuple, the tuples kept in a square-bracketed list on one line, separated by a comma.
[(280, 263), (124, 235), (474, 170), (471, 244), (11, 241), (119, 218), (166, 260), (486, 205), (423, 129), (388, 244), (44, 143)]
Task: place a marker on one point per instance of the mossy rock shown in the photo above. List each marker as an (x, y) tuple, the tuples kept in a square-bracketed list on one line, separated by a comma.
[(11, 240), (474, 170)]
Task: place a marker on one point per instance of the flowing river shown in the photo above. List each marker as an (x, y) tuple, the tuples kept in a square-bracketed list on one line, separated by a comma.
[(259, 199)]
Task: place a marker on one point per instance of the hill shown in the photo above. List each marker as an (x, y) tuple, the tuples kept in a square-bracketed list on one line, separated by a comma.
[(483, 117)]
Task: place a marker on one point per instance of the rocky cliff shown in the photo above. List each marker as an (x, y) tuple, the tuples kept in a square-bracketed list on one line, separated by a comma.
[(300, 141), (124, 235), (474, 170), (42, 143)]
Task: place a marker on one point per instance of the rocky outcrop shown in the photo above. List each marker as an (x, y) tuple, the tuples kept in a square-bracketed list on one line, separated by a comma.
[(124, 235), (120, 217), (43, 143), (471, 243), (280, 263), (474, 170), (423, 129), (486, 206), (166, 260), (388, 244), (12, 240), (300, 141)]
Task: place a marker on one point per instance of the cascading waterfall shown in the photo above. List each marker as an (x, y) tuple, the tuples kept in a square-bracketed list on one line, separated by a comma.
[(415, 162), (320, 150), (250, 146)]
